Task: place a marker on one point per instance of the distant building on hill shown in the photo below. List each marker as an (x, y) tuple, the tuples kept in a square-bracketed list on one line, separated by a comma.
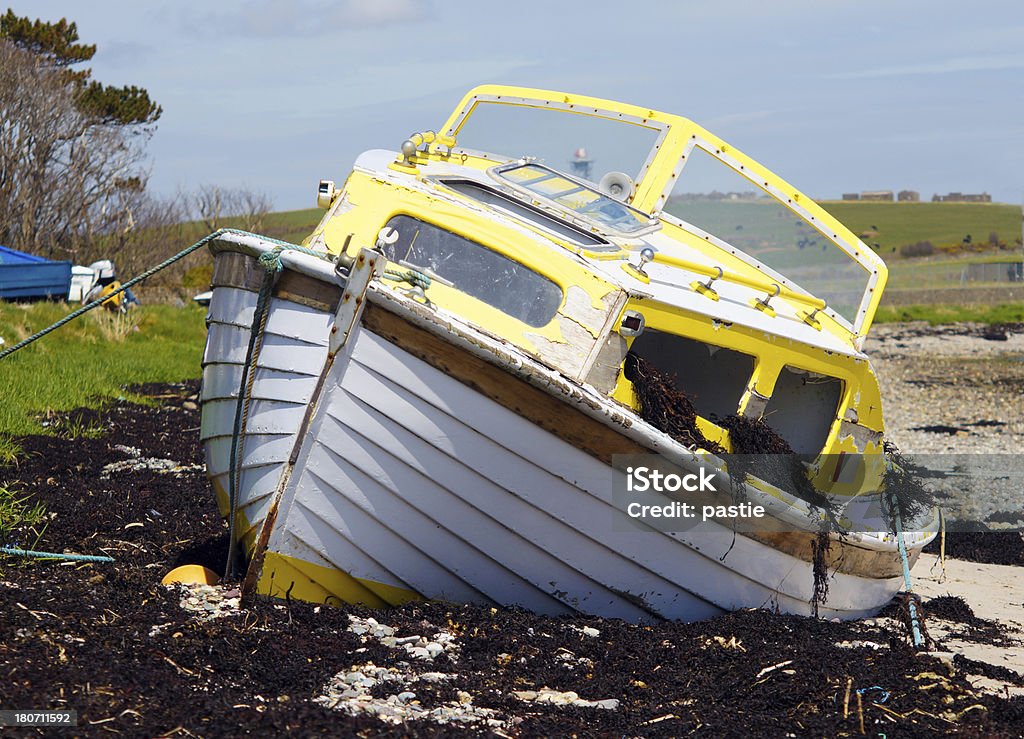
[(959, 197), (884, 195), (908, 196), (851, 196)]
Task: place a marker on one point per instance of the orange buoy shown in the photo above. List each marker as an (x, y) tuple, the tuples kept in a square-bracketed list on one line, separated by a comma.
[(191, 575)]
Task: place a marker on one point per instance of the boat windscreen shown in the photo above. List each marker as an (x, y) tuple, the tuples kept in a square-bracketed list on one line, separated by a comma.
[(714, 197), (582, 142), (574, 196)]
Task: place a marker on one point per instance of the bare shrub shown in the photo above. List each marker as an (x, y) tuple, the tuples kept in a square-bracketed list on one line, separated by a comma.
[(114, 326), (918, 249), (220, 207)]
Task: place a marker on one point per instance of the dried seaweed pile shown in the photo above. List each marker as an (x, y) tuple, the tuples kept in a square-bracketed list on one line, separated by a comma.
[(954, 608), (754, 436), (759, 450), (663, 405), (109, 642), (991, 547)]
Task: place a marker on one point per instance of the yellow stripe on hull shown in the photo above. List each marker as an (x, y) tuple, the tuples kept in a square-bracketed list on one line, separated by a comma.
[(296, 578)]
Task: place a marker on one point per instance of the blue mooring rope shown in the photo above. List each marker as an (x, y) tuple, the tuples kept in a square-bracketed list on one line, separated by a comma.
[(14, 552), (898, 520)]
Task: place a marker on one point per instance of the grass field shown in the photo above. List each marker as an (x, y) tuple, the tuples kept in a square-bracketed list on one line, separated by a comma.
[(754, 224), (896, 224), (938, 314), (760, 229), (91, 358), (945, 225), (775, 236)]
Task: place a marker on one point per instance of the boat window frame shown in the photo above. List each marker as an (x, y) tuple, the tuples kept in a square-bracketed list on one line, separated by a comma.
[(420, 219), (596, 241), (661, 127), (783, 199), (661, 171)]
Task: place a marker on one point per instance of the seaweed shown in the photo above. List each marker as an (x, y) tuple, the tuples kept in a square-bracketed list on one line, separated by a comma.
[(664, 406), (820, 546), (759, 449), (905, 495)]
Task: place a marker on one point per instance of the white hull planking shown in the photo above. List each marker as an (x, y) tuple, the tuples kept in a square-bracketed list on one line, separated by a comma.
[(409, 478), (293, 353)]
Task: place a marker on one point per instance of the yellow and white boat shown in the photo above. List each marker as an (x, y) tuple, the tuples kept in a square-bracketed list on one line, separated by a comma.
[(428, 400)]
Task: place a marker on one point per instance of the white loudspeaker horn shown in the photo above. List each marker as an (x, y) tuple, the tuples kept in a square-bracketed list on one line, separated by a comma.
[(325, 193), (617, 185)]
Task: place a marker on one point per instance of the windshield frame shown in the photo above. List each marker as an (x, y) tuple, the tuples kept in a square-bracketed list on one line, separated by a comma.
[(456, 123), (874, 268), (664, 165)]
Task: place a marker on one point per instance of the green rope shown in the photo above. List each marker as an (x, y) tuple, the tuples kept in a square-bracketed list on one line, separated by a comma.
[(271, 262), (15, 552), (413, 277), (147, 274)]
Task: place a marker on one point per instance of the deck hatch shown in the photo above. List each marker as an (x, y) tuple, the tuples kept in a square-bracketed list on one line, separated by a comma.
[(523, 211), (713, 377), (472, 268), (579, 199)]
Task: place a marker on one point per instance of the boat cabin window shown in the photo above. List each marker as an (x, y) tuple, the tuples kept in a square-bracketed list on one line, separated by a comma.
[(525, 212), (713, 377), (474, 269), (575, 196), (714, 197), (803, 407)]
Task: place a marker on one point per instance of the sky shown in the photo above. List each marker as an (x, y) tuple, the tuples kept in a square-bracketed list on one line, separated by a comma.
[(832, 95)]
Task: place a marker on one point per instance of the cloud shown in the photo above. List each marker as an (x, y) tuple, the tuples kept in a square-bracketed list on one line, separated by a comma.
[(988, 63), (270, 18), (378, 12), (738, 119)]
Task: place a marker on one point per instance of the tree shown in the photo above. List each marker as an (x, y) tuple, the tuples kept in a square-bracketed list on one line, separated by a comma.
[(71, 148), (247, 208)]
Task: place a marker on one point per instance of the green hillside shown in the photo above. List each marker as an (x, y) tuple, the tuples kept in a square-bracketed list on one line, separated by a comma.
[(890, 225), (293, 225), (760, 227), (945, 225)]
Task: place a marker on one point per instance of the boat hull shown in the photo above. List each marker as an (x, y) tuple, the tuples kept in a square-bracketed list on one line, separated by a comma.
[(414, 460)]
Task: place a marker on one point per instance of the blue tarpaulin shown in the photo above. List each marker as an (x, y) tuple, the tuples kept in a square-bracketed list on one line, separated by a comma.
[(26, 276)]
